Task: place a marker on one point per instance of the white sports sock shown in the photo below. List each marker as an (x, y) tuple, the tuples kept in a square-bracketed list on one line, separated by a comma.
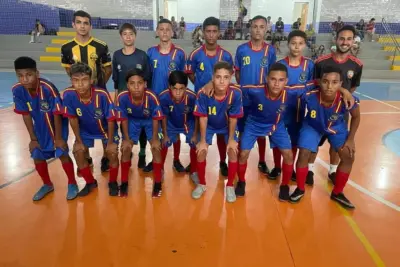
[(311, 167), (332, 168)]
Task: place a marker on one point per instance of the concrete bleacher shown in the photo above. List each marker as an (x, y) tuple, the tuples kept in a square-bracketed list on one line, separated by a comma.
[(375, 58)]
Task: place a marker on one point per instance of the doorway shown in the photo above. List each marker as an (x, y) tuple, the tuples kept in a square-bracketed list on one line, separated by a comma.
[(300, 10), (171, 9)]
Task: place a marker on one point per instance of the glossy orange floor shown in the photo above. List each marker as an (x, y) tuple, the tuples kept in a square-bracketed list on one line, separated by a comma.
[(176, 230)]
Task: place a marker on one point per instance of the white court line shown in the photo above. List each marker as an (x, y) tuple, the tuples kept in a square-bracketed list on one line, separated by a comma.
[(363, 190), (387, 104), (384, 112)]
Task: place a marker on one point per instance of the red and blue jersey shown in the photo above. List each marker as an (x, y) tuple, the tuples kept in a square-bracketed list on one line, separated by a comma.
[(148, 109), (42, 106), (202, 65), (179, 115), (325, 119), (294, 113), (93, 116), (162, 65), (219, 111), (301, 74)]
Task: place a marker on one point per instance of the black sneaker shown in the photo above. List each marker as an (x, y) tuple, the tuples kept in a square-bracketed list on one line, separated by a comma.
[(105, 165), (284, 193), (262, 167), (223, 167), (113, 189), (342, 200), (293, 176), (157, 190), (87, 189), (90, 162), (332, 177), (310, 178), (274, 173), (178, 166), (123, 189), (296, 196), (149, 167), (187, 169), (240, 189), (141, 162)]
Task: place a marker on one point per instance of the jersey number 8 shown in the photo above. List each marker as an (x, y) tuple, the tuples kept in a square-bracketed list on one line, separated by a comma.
[(313, 114), (79, 112)]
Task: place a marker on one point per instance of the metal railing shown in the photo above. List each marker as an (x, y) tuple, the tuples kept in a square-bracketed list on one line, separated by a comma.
[(389, 41)]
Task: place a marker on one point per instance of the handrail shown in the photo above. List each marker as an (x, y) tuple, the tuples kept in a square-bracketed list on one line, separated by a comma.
[(392, 38)]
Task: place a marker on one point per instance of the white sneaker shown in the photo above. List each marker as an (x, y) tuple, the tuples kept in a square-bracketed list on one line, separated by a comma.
[(230, 194), (198, 191), (195, 178)]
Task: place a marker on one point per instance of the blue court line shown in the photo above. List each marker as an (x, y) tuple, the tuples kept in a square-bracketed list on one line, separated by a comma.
[(22, 176), (391, 140)]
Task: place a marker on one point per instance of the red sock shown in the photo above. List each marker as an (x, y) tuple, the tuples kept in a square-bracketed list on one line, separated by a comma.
[(277, 157), (193, 160), (87, 175), (177, 149), (294, 151), (164, 152), (262, 144), (242, 172), (113, 174), (43, 171), (221, 147), (201, 170), (69, 170), (287, 171), (125, 166), (232, 170), (340, 182), (157, 172), (301, 175)]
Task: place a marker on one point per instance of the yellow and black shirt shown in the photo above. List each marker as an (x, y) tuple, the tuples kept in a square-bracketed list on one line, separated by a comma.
[(94, 53)]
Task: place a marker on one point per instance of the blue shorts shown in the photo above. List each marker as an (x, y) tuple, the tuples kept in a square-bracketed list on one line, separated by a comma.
[(279, 138), (242, 121), (90, 142), (40, 154), (210, 134), (173, 136), (136, 127), (310, 138)]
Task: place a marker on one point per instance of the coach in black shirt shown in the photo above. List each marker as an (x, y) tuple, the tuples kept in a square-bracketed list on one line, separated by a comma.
[(128, 58)]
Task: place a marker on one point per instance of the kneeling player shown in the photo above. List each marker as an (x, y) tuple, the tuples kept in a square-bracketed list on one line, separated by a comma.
[(39, 103), (218, 115), (325, 116), (139, 108), (268, 105), (177, 104), (92, 117)]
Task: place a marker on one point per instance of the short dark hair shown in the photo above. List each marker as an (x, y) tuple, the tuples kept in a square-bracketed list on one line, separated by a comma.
[(211, 21), (178, 76), (223, 65), (22, 63), (259, 17), (127, 26), (83, 14), (164, 21), (297, 33), (346, 28), (332, 69), (278, 67), (134, 72), (80, 68)]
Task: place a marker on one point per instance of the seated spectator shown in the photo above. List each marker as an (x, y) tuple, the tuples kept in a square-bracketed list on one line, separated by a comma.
[(279, 29), (174, 28), (229, 33), (310, 32), (36, 32), (182, 28), (269, 28), (297, 24), (337, 25), (239, 28), (370, 28), (360, 27)]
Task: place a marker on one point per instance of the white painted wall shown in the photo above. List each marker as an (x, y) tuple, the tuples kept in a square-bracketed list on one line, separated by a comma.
[(196, 11)]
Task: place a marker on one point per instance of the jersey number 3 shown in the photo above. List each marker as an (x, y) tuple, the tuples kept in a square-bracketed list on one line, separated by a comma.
[(313, 114)]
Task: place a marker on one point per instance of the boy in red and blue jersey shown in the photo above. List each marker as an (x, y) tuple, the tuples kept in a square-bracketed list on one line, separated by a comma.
[(138, 109), (164, 59), (91, 114), (200, 66), (218, 115), (252, 62), (177, 104), (39, 103), (326, 113)]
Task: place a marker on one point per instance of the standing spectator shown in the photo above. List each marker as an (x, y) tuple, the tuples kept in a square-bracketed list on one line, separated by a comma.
[(296, 25), (229, 33), (279, 28), (182, 28), (174, 27), (310, 36), (269, 27), (36, 32), (239, 28), (360, 27), (371, 29), (337, 25)]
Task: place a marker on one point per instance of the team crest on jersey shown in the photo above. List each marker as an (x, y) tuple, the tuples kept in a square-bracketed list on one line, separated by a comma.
[(93, 56), (264, 62), (146, 112), (75, 58), (172, 66), (98, 113), (350, 74), (119, 67), (186, 110), (282, 108), (44, 106), (139, 66), (303, 77), (334, 117)]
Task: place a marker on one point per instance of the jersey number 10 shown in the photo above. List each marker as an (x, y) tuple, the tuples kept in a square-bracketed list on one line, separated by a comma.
[(246, 60)]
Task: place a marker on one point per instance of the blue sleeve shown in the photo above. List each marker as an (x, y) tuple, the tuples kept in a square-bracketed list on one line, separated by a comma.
[(271, 56), (236, 110), (164, 105), (228, 58), (156, 113), (69, 107), (108, 107), (237, 59), (191, 63), (20, 104), (57, 105), (356, 103), (121, 111), (200, 108), (310, 71)]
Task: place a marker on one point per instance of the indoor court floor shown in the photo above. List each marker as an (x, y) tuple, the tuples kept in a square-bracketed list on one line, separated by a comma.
[(176, 230)]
